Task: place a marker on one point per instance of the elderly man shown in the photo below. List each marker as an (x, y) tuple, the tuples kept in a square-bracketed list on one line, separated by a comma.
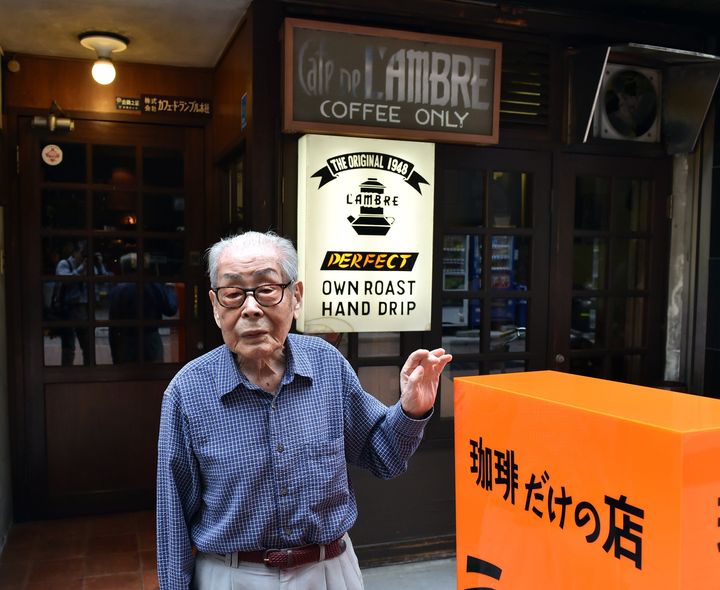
[(255, 437)]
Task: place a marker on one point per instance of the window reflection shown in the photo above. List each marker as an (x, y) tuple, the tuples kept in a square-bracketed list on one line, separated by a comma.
[(510, 202), (464, 197), (626, 322), (461, 331), (163, 167), (165, 257), (589, 259), (68, 300), (115, 165), (510, 263), (629, 262), (592, 199), (164, 212), (586, 323), (631, 207), (462, 262), (130, 300), (63, 209), (508, 325), (115, 210)]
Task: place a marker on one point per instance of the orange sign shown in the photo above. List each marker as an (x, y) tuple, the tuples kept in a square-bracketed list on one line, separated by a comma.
[(568, 482)]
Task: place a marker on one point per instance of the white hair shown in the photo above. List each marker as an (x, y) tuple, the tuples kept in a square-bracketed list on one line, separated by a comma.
[(286, 250)]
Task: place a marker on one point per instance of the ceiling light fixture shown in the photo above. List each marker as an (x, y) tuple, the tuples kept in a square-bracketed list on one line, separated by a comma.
[(104, 44)]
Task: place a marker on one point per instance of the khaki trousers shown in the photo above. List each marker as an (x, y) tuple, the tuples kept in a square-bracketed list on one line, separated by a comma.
[(339, 573)]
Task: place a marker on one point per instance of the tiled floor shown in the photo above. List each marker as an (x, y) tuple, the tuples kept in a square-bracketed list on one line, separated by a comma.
[(115, 552)]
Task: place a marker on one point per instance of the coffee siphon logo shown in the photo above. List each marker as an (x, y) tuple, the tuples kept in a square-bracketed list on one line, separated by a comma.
[(372, 218), (372, 221)]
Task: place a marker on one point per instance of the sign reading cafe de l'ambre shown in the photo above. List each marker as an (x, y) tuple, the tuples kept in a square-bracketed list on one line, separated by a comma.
[(356, 80)]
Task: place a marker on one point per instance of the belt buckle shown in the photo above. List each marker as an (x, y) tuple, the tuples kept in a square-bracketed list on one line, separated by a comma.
[(266, 556)]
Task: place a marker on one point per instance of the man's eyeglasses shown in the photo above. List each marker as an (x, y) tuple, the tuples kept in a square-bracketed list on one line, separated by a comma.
[(266, 295)]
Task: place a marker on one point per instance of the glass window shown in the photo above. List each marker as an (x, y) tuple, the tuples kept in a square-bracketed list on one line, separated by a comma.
[(164, 257), (163, 167), (509, 324), (164, 212), (115, 165), (589, 260), (631, 207), (592, 200), (115, 210), (510, 262), (463, 197), (72, 167), (63, 209), (510, 202), (629, 264), (462, 262), (55, 249), (461, 331), (119, 255), (586, 322), (627, 323)]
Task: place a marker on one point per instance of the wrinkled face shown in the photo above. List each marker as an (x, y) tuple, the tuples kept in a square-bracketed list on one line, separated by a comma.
[(252, 331)]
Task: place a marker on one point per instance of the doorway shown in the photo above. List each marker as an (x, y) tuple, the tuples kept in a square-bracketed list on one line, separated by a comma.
[(550, 261), (610, 271), (111, 239)]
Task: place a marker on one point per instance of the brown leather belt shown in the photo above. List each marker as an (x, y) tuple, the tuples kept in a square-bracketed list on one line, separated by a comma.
[(297, 556)]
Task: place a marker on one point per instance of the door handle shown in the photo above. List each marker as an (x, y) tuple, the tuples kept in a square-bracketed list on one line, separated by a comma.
[(559, 358)]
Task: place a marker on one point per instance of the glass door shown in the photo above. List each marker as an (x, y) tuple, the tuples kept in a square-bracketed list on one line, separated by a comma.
[(492, 222), (111, 242), (610, 279)]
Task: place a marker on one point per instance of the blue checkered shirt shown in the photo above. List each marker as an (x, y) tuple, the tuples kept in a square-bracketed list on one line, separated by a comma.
[(239, 469)]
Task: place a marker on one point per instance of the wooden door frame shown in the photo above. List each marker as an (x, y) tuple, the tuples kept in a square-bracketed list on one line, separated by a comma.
[(566, 167), (28, 373), (539, 163)]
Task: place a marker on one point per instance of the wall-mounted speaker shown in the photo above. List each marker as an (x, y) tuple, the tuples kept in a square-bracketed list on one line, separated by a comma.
[(628, 106)]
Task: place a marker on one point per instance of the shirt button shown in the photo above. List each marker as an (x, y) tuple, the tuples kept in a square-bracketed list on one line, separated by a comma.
[(280, 448), (283, 491), (288, 531)]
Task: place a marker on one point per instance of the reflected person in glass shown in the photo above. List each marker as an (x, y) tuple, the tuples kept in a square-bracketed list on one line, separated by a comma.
[(70, 300), (158, 300), (256, 437)]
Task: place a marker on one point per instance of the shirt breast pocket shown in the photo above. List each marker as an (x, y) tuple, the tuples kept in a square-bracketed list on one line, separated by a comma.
[(327, 479)]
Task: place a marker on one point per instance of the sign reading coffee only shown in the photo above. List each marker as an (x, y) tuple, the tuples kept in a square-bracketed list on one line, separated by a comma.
[(367, 81)]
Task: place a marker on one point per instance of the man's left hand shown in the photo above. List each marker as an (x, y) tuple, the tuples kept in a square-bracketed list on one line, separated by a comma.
[(419, 380)]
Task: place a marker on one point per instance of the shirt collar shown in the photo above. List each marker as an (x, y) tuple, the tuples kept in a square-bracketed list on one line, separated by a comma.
[(297, 363)]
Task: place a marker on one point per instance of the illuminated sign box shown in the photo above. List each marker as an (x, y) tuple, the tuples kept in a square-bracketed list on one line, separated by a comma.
[(366, 81), (365, 226), (568, 482)]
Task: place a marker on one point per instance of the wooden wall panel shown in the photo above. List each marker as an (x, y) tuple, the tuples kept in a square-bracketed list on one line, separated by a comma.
[(233, 78), (102, 438), (68, 81)]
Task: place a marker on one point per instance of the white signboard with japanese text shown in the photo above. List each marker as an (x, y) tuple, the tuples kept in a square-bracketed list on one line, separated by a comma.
[(365, 227)]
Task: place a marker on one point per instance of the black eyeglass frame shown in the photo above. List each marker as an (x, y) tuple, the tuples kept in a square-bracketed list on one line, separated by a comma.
[(247, 292)]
